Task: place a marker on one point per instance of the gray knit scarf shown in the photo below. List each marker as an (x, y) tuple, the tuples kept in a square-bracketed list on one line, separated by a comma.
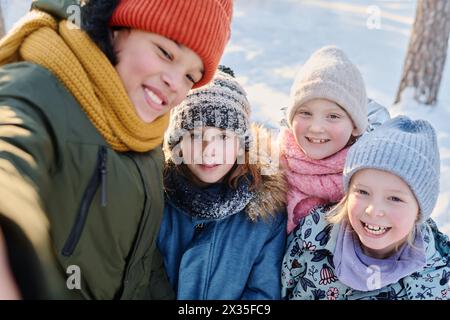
[(215, 202)]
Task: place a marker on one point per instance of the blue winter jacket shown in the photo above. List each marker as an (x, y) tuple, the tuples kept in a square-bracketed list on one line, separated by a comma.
[(233, 258)]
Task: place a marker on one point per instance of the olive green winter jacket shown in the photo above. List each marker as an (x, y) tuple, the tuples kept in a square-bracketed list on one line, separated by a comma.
[(91, 214)]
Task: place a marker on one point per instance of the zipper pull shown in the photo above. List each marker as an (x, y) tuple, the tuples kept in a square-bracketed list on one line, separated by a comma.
[(103, 172), (199, 228)]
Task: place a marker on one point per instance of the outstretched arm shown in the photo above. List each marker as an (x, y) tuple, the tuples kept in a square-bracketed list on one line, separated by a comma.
[(26, 154)]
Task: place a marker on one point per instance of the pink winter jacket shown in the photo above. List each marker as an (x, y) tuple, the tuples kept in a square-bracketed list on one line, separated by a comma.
[(311, 182)]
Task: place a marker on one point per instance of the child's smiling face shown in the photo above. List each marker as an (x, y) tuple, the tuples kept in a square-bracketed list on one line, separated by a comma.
[(322, 128), (157, 73), (382, 210)]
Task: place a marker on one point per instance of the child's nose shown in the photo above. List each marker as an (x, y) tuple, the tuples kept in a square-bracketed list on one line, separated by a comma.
[(316, 125), (172, 78), (209, 149), (375, 210)]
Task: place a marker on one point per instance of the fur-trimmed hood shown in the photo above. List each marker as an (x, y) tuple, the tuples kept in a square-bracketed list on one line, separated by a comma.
[(270, 197)]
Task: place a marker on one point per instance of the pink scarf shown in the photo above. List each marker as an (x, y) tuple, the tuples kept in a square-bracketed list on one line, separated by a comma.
[(311, 182)]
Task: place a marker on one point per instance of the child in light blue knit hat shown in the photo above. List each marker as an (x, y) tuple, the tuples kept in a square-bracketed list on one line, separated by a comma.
[(379, 242)]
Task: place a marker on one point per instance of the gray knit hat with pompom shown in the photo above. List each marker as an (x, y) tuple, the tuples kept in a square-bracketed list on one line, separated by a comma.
[(407, 148)]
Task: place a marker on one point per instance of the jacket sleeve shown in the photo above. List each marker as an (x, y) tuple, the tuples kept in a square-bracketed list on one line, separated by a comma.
[(26, 156), (264, 280)]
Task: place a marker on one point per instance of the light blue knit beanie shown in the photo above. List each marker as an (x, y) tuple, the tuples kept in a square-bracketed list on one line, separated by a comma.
[(407, 148)]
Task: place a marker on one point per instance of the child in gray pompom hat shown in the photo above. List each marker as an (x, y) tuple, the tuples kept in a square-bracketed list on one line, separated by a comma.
[(380, 241), (405, 148)]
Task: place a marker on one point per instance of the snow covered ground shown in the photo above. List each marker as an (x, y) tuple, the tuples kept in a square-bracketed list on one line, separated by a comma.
[(272, 38)]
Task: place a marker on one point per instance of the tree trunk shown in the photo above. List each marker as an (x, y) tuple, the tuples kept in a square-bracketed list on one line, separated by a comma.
[(425, 60), (2, 22)]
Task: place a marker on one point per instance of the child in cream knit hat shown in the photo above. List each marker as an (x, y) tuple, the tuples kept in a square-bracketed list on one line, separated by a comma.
[(328, 109)]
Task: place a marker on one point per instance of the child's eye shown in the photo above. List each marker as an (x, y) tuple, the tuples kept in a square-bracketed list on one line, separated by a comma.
[(224, 136), (304, 113), (191, 78), (166, 53), (361, 192), (395, 199), (334, 116)]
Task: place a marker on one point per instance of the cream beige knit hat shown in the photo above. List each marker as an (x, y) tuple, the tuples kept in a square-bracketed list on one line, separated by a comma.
[(329, 74)]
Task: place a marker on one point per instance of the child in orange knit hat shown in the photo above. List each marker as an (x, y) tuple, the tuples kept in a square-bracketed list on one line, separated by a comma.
[(86, 110)]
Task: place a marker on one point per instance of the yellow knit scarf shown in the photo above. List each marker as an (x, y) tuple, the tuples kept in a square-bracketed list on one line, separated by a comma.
[(69, 53)]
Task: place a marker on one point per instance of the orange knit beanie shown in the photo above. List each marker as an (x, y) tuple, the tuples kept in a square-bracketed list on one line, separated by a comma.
[(201, 25)]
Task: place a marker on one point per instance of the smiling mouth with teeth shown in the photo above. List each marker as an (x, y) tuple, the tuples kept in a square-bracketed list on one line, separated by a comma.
[(373, 229), (317, 141), (154, 98)]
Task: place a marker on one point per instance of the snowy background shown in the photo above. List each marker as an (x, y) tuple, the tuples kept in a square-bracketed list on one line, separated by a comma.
[(272, 38)]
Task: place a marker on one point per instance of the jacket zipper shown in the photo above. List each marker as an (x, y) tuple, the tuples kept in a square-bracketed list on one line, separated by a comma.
[(97, 178), (125, 290)]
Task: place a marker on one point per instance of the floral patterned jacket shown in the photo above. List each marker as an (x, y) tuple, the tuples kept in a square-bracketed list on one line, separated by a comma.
[(308, 272)]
